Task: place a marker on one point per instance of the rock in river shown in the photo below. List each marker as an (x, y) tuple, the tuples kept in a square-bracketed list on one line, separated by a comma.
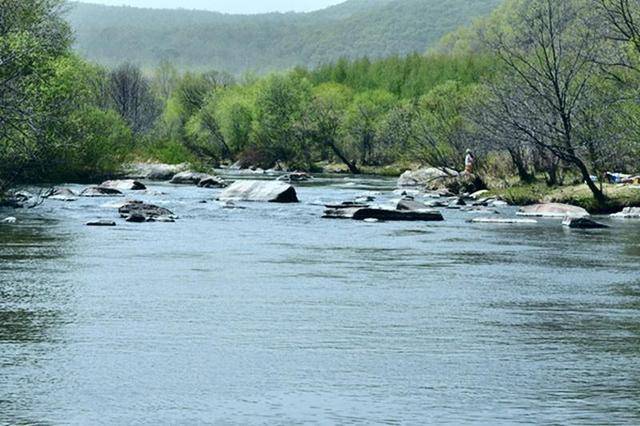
[(124, 185), (137, 211), (101, 223), (423, 177), (203, 180), (9, 220), (553, 210), (503, 221), (628, 213), (384, 214), (582, 223), (61, 194), (99, 191), (257, 190)]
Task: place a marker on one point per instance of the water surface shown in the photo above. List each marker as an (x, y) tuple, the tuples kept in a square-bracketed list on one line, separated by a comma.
[(272, 315)]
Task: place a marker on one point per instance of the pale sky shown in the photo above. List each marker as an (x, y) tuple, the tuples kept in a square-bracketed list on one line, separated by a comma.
[(228, 6)]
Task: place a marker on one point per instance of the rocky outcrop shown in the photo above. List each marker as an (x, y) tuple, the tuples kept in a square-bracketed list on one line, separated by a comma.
[(553, 210), (381, 214), (101, 223), (99, 191), (582, 223), (264, 191), (153, 171), (124, 185), (628, 213), (61, 194), (137, 211), (424, 177)]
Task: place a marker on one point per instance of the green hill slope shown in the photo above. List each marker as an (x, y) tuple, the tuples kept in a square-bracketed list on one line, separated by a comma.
[(261, 43)]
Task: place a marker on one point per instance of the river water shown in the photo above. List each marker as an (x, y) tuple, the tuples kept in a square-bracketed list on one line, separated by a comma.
[(272, 315)]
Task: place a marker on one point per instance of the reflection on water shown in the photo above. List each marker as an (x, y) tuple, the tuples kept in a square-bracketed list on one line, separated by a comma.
[(273, 315)]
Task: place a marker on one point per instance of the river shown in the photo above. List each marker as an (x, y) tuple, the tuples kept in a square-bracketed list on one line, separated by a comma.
[(272, 315)]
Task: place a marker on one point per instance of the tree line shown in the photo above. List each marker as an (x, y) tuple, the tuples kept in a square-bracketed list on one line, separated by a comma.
[(550, 90)]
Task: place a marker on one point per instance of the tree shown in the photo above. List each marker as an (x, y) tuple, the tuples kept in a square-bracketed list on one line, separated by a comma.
[(549, 80), (133, 98), (323, 118), (32, 35)]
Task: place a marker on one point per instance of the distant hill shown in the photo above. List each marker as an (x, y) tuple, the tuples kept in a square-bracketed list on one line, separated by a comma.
[(261, 43)]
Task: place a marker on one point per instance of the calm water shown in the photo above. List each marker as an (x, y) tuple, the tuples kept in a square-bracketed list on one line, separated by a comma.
[(271, 315)]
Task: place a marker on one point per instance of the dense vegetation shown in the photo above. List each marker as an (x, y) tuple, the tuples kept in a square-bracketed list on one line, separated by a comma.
[(551, 94), (198, 40)]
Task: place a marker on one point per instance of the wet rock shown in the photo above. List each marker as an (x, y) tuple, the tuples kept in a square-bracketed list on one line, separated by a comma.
[(212, 182), (347, 205), (296, 177), (153, 171), (99, 191), (61, 194), (101, 222), (503, 221), (582, 223), (424, 177), (9, 220), (135, 210), (553, 210), (265, 191), (124, 185), (384, 214), (628, 213), (479, 194), (436, 203)]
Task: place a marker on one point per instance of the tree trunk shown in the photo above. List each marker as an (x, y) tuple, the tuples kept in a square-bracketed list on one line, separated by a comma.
[(597, 193), (353, 168), (523, 173)]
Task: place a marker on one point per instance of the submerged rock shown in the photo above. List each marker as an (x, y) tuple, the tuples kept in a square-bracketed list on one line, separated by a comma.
[(384, 214), (101, 222), (628, 213), (137, 211), (582, 223), (553, 210), (503, 221), (296, 177), (61, 194), (256, 190), (99, 191), (124, 185)]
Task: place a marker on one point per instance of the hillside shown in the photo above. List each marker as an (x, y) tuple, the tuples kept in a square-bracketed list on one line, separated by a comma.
[(237, 43)]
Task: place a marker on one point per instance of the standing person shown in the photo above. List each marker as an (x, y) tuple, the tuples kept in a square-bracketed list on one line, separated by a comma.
[(469, 162)]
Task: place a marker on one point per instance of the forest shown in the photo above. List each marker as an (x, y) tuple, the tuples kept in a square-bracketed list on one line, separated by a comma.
[(541, 91), (201, 41)]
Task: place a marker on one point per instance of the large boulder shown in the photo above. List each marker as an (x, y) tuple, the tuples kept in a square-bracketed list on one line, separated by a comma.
[(99, 191), (382, 214), (124, 185), (628, 213), (257, 190), (137, 211), (153, 171), (424, 177), (553, 210)]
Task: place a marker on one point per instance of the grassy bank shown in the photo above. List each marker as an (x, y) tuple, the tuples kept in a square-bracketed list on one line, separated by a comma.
[(618, 197)]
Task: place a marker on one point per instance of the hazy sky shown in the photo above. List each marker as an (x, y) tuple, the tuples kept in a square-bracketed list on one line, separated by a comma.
[(229, 6)]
